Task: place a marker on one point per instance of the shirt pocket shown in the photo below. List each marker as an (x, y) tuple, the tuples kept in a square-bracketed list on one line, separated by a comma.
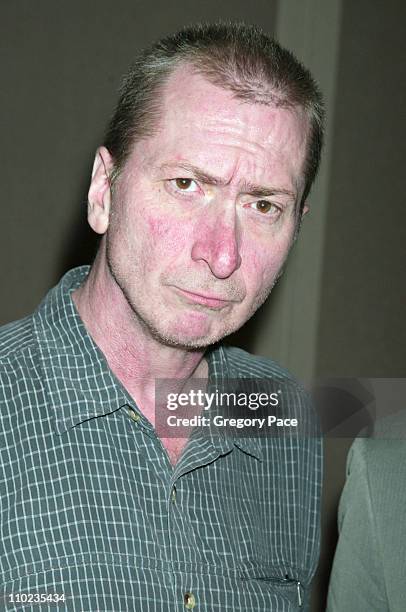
[(268, 579)]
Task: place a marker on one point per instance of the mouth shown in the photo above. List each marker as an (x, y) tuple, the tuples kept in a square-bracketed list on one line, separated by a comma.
[(210, 301)]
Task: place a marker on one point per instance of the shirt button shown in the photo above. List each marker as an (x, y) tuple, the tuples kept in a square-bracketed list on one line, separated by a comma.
[(134, 415), (189, 600), (173, 495)]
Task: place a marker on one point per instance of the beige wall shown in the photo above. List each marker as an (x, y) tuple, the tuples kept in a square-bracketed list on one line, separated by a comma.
[(60, 65), (362, 330)]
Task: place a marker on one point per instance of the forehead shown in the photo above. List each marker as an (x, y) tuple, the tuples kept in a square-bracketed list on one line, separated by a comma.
[(204, 124)]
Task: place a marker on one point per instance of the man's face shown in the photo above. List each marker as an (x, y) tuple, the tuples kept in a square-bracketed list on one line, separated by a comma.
[(204, 212)]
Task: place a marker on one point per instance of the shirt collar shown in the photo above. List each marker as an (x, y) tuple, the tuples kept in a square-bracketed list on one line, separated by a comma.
[(77, 378)]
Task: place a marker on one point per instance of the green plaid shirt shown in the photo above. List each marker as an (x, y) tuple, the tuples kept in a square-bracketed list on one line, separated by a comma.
[(92, 511)]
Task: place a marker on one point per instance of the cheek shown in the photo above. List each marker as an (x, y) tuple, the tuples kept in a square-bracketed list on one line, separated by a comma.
[(166, 237), (144, 235), (157, 229), (261, 265)]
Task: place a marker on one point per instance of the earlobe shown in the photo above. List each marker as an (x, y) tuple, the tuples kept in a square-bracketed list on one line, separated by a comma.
[(305, 210), (99, 196)]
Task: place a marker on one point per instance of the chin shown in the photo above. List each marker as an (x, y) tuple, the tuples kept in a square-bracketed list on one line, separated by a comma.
[(185, 339)]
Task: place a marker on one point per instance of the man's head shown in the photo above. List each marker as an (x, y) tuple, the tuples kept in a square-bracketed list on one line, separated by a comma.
[(209, 180)]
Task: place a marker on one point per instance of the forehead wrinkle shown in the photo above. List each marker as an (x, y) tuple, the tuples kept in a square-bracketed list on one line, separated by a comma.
[(201, 175), (236, 138), (245, 186), (270, 152), (241, 131), (261, 191), (217, 118)]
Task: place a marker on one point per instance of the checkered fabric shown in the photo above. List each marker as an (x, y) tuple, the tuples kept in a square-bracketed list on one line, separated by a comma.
[(92, 511)]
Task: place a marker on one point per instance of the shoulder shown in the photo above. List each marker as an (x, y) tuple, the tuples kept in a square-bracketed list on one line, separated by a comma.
[(376, 473), (391, 427), (18, 364), (369, 562), (15, 339), (278, 397), (382, 453), (246, 365), (267, 375)]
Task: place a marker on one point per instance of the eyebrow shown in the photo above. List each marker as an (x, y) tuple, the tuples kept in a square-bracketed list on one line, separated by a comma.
[(248, 188)]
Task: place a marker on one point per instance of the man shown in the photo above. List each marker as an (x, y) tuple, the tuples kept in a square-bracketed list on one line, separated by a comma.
[(369, 564), (198, 193)]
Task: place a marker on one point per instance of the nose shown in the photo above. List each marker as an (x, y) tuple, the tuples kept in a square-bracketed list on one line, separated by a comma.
[(217, 242)]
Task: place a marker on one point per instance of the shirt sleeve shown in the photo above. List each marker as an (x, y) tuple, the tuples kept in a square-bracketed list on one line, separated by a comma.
[(357, 580)]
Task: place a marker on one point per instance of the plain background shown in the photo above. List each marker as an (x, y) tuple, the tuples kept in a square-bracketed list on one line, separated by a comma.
[(61, 64)]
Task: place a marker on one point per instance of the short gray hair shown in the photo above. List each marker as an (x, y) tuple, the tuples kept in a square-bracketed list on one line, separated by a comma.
[(235, 56)]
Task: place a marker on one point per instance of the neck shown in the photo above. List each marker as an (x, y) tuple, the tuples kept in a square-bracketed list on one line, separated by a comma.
[(134, 355)]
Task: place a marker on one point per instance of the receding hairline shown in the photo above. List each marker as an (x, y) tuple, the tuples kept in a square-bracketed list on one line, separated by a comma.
[(245, 90), (156, 107), (235, 56)]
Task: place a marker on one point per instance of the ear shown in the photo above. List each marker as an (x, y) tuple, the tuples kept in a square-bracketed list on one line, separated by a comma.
[(99, 196), (305, 210)]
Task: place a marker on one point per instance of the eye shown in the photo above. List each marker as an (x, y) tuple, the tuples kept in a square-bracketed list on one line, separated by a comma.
[(265, 207), (185, 184)]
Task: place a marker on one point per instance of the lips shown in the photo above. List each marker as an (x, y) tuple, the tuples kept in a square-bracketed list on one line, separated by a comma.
[(209, 301)]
